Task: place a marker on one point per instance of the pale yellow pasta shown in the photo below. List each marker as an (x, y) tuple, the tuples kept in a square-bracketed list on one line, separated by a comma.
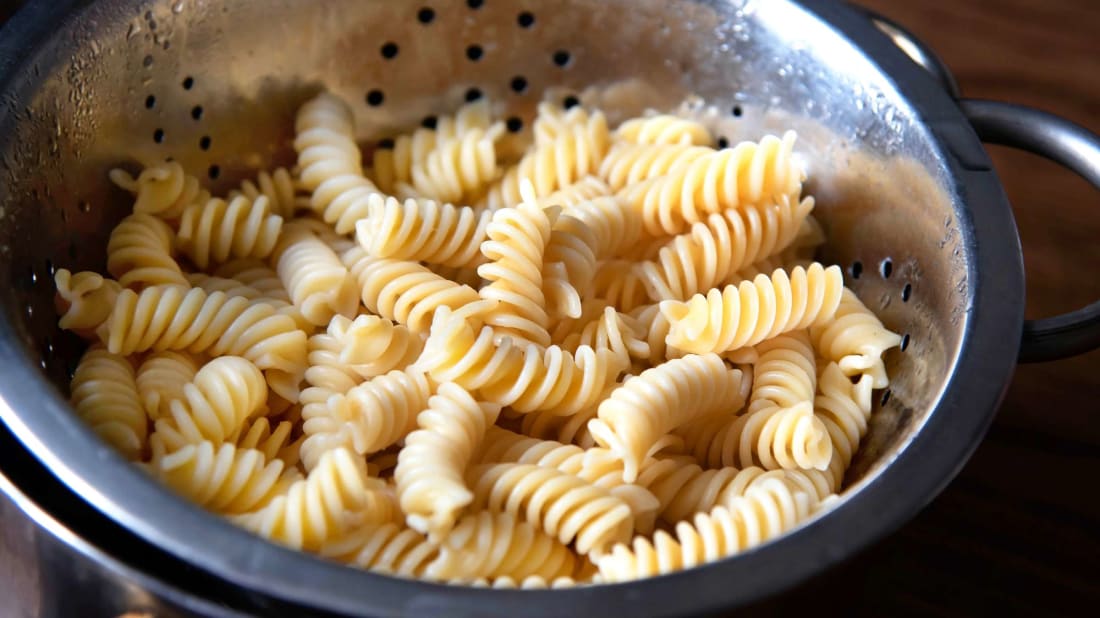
[(432, 465), (613, 331), (224, 478), (280, 189), (382, 410), (330, 162), (105, 396), (839, 407), (385, 548), (664, 129), (705, 257), (164, 190), (636, 419), (372, 346), (497, 544), (618, 282), (630, 163), (754, 311), (403, 291), (613, 225), (569, 263), (215, 231), (254, 274), (139, 253), (215, 404), (459, 168), (748, 173), (763, 513), (424, 230), (319, 283), (87, 299), (553, 120), (160, 380), (272, 443), (517, 242), (855, 339), (561, 505)]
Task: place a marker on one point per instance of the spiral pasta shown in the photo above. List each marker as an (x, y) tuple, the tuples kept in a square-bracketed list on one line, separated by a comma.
[(856, 340), (460, 167), (215, 404), (612, 225), (271, 443), (745, 174), (763, 513), (628, 164), (216, 230), (612, 331), (618, 282), (664, 129), (319, 283), (161, 378), (164, 190), (382, 410), (105, 397), (746, 314), (86, 300), (636, 420), (139, 253), (223, 478), (372, 346), (562, 505), (256, 275), (496, 544), (423, 230), (569, 262), (280, 189), (711, 252), (386, 548), (431, 467)]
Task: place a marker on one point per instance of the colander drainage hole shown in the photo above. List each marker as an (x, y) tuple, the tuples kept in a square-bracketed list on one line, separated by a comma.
[(158, 136), (519, 84), (386, 144), (389, 50), (196, 112), (475, 4), (886, 268), (188, 82), (472, 95), (474, 52), (570, 102), (906, 292), (561, 58), (150, 102), (723, 142), (904, 342), (375, 98), (856, 269), (515, 124), (429, 122), (737, 111), (214, 172), (526, 19), (886, 397), (425, 15), (204, 142)]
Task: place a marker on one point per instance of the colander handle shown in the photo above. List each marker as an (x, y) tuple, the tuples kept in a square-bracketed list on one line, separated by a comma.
[(917, 51), (1076, 148)]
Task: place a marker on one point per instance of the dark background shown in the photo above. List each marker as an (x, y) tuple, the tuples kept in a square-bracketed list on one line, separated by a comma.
[(1018, 532)]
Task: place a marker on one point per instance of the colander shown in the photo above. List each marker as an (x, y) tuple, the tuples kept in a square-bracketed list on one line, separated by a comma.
[(913, 210)]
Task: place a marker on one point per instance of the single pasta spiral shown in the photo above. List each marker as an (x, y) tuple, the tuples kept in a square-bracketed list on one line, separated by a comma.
[(683, 488), (216, 230), (763, 513), (139, 253), (431, 466), (423, 230), (271, 443), (489, 544), (224, 478), (618, 282), (569, 262), (330, 162), (612, 331), (215, 404), (636, 420), (844, 416), (164, 190), (614, 226), (257, 275), (562, 505), (553, 120), (161, 378), (319, 283), (387, 548), (627, 164), (372, 346), (711, 252), (568, 429), (754, 311), (856, 340), (525, 377), (518, 239), (405, 292), (748, 173), (664, 129), (86, 300), (383, 410), (459, 168), (280, 190), (105, 396)]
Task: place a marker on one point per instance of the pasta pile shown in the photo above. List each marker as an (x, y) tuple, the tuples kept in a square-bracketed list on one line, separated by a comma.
[(609, 357)]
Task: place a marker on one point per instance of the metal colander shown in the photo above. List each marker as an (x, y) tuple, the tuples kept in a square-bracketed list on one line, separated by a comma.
[(903, 187)]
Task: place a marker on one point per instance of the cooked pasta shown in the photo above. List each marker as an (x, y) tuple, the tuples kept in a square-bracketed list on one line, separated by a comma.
[(573, 355), (432, 465), (635, 420), (215, 231), (745, 174), (105, 396), (754, 311), (139, 253)]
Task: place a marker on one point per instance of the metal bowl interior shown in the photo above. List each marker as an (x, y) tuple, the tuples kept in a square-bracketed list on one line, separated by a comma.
[(897, 175)]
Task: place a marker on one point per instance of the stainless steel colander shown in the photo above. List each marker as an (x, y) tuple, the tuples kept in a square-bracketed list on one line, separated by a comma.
[(912, 208)]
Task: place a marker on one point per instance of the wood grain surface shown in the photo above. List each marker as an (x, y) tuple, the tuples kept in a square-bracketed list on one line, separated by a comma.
[(1018, 532)]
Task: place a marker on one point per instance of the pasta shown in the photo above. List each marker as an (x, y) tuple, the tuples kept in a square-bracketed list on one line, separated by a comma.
[(526, 359)]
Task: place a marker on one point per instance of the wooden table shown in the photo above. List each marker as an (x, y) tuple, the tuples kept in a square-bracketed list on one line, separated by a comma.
[(1018, 532)]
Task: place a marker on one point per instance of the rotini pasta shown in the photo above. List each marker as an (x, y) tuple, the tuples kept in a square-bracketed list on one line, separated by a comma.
[(373, 346), (105, 396), (215, 404), (386, 548), (319, 283), (856, 340), (217, 230), (460, 167), (497, 544), (160, 380), (423, 230), (382, 410), (664, 129), (85, 300), (164, 190), (630, 163), (139, 253), (224, 478), (280, 189)]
